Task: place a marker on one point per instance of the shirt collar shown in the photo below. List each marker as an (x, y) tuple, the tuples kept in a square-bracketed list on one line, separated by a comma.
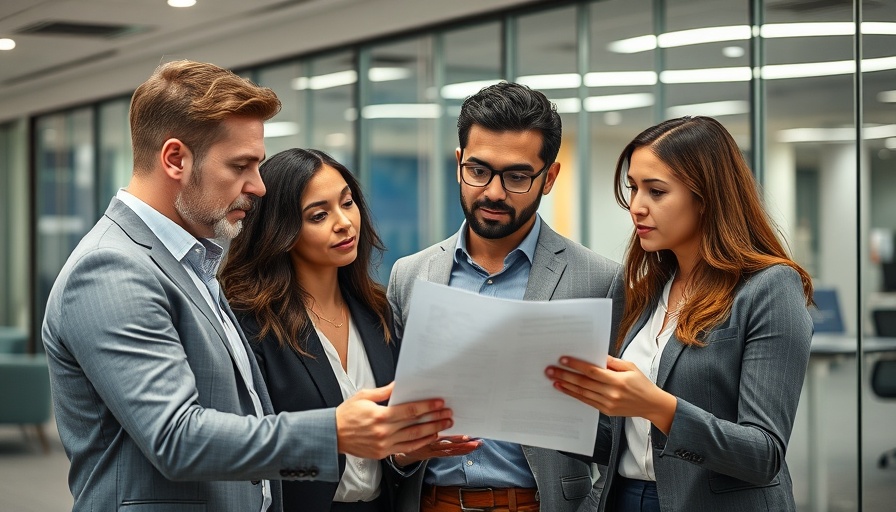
[(201, 252), (526, 247), (664, 297)]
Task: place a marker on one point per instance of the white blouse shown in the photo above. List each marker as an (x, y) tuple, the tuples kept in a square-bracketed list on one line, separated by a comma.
[(361, 479), (645, 351)]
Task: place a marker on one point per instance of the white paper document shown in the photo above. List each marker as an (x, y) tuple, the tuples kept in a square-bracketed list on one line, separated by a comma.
[(486, 357)]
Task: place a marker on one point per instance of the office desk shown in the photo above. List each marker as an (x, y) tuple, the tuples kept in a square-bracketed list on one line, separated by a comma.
[(827, 349)]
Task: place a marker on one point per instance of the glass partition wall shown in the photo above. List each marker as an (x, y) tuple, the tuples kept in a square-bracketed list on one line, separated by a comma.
[(14, 207), (781, 76), (877, 237)]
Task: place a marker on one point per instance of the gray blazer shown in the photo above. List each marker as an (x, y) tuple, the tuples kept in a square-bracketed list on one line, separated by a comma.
[(151, 410), (561, 269), (737, 398)]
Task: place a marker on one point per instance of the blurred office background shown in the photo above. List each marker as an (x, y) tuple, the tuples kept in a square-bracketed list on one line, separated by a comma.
[(807, 87)]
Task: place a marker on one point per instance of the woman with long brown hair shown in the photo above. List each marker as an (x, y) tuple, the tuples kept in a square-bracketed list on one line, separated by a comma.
[(299, 278), (714, 340)]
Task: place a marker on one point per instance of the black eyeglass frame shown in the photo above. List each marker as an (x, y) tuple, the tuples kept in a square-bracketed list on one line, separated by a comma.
[(500, 174)]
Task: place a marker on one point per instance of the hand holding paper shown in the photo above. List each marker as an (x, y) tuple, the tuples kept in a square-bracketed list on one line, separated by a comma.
[(486, 357)]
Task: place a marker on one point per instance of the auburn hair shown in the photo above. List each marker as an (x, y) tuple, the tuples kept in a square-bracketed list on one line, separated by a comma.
[(188, 100), (258, 276), (737, 237)]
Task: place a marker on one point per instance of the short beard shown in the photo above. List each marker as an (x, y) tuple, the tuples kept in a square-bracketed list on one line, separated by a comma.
[(193, 205), (493, 230)]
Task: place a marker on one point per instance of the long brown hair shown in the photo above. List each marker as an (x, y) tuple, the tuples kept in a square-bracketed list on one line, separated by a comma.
[(737, 237), (258, 276)]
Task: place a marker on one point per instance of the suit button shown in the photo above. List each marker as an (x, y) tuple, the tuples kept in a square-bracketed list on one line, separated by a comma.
[(284, 472), (313, 472), (302, 473), (255, 482)]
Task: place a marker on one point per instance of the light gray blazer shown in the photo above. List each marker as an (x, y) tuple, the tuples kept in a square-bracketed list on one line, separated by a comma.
[(151, 410), (561, 269), (737, 398)]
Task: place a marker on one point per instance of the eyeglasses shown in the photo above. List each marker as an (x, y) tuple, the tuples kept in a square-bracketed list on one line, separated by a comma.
[(480, 175)]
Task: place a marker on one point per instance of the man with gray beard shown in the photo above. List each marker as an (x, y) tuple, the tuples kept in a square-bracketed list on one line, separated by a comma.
[(158, 403)]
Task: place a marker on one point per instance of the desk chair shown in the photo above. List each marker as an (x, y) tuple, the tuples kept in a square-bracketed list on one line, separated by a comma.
[(883, 375)]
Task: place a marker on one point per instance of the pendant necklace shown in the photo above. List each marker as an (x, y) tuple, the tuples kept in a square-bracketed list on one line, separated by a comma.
[(331, 322)]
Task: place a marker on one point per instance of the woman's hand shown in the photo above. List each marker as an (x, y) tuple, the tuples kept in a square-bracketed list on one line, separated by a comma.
[(447, 446), (619, 390)]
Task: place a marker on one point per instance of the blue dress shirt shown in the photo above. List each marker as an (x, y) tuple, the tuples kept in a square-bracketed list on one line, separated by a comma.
[(495, 464)]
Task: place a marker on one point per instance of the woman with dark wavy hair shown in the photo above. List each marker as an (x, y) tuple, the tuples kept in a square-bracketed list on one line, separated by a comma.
[(714, 340), (299, 278)]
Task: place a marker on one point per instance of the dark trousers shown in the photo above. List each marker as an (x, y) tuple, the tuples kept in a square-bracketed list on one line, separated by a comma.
[(635, 495), (377, 505)]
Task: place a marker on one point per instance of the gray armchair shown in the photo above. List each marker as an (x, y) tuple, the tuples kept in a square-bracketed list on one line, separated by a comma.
[(25, 392), (12, 340)]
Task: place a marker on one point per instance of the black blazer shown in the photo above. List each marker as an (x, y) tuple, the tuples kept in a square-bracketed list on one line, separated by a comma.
[(301, 383)]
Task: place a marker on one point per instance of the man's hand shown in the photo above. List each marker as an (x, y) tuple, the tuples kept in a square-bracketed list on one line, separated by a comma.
[(449, 446), (368, 430)]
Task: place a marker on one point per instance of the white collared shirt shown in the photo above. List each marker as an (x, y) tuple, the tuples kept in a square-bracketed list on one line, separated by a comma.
[(200, 258), (645, 351), (361, 479)]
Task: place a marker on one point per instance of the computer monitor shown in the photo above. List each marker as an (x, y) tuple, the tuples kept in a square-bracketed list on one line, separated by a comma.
[(826, 314)]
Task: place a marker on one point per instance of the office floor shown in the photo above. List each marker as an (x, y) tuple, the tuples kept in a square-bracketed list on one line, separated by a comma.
[(31, 481)]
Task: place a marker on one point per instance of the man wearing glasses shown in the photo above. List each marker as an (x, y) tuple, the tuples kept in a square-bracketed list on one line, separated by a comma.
[(509, 139)]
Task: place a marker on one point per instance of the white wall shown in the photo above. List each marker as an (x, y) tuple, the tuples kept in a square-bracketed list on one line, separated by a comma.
[(838, 216), (779, 190)]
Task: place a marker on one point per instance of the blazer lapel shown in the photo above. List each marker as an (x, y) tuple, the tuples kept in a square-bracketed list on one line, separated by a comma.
[(378, 352), (318, 367), (140, 233), (440, 265), (673, 349), (635, 329), (671, 352), (548, 265)]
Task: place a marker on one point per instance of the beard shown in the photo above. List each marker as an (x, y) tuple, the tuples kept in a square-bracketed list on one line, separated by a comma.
[(494, 230), (196, 206)]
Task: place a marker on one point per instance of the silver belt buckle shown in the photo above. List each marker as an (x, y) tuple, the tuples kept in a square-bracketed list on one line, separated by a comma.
[(464, 508)]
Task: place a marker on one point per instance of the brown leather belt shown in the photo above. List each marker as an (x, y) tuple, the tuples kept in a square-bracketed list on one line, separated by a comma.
[(469, 499)]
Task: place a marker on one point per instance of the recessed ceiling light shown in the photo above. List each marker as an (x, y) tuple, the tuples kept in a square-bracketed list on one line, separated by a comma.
[(181, 3), (402, 111), (280, 129), (612, 118), (7, 44), (461, 90), (712, 109), (733, 52), (553, 81), (335, 139), (615, 102)]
